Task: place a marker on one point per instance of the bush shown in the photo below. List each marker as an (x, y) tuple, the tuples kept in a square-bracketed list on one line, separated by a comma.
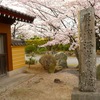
[(66, 47), (30, 62), (36, 41), (59, 47), (30, 48), (41, 50)]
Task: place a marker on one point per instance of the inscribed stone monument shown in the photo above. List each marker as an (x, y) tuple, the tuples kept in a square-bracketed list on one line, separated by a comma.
[(87, 75), (87, 69)]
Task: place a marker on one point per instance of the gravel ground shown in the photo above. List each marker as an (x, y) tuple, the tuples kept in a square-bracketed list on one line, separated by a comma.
[(42, 85)]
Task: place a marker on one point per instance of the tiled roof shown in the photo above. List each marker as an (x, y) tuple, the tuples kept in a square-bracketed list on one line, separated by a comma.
[(8, 13), (18, 42)]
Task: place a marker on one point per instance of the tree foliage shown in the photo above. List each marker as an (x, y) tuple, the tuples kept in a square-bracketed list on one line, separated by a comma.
[(58, 19)]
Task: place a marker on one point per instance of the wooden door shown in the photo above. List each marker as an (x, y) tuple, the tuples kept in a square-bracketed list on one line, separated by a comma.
[(3, 54)]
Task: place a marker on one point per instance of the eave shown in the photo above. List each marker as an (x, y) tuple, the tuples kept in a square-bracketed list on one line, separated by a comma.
[(9, 16)]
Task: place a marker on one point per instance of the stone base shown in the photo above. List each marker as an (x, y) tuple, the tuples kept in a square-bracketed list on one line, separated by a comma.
[(77, 95)]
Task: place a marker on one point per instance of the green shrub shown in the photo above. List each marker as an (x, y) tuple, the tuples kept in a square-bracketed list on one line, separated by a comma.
[(41, 50), (66, 47), (36, 41), (60, 47), (31, 62), (30, 48)]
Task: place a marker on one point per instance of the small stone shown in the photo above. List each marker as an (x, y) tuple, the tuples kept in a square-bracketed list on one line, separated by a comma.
[(57, 81)]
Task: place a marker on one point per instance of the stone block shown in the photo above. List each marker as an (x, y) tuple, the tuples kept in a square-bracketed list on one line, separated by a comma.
[(78, 95)]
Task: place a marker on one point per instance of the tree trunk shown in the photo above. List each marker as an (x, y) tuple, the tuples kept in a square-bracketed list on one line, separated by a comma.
[(77, 56)]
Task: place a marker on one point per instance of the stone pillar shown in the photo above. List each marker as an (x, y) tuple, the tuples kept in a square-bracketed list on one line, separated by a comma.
[(87, 72)]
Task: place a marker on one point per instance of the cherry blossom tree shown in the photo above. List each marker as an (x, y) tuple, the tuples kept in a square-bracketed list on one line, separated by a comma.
[(58, 19), (15, 28), (22, 30), (19, 29), (52, 17), (96, 5), (62, 18)]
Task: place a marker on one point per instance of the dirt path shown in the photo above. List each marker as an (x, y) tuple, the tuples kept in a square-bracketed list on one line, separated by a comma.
[(42, 86)]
